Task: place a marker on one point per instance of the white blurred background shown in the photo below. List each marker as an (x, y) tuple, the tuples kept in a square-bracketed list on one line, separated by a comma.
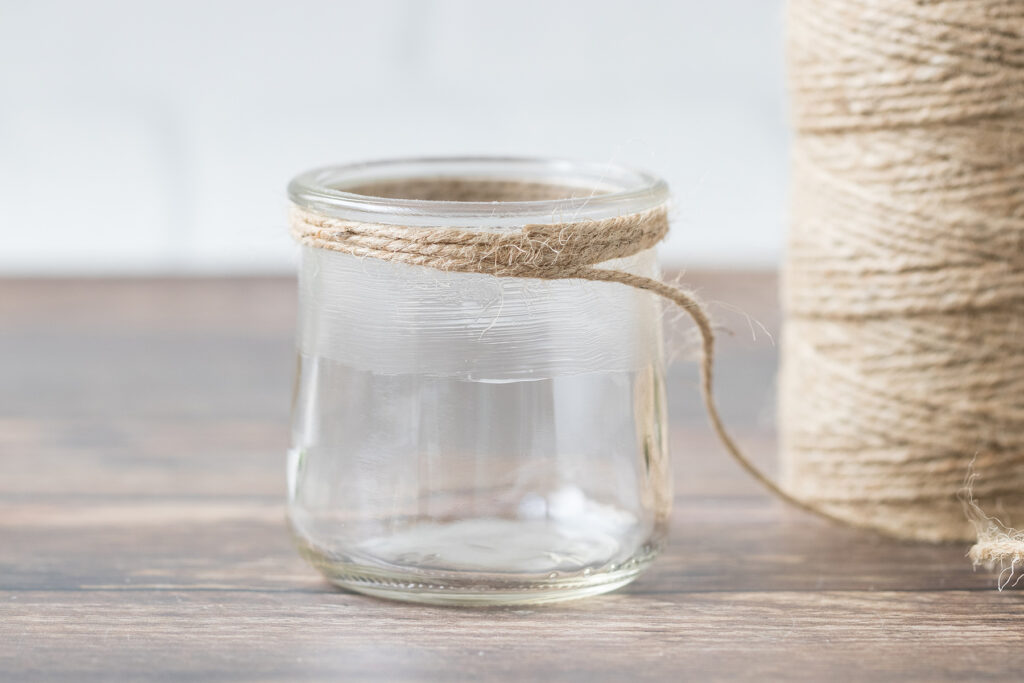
[(158, 137)]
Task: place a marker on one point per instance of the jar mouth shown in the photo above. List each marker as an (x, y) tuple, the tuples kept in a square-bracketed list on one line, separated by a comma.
[(479, 191)]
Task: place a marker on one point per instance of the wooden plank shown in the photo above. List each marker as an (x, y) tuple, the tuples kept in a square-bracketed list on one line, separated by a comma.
[(716, 544), (143, 425), (247, 635)]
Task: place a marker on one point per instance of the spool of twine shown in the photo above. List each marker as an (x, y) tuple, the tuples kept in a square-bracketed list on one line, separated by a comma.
[(903, 347)]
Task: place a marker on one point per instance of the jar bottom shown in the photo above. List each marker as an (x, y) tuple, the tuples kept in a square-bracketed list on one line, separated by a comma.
[(483, 562)]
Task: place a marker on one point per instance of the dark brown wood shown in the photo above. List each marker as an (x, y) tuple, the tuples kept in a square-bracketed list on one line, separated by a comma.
[(142, 430)]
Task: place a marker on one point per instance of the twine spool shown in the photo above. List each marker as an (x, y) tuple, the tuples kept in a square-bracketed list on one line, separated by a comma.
[(903, 348)]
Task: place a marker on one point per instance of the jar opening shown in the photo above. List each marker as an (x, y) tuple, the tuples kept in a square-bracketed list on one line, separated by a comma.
[(478, 191), (457, 189)]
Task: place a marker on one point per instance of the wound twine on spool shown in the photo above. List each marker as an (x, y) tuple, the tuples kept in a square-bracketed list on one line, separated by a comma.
[(903, 347)]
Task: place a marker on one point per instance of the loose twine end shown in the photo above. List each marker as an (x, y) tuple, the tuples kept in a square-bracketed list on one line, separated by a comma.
[(999, 546)]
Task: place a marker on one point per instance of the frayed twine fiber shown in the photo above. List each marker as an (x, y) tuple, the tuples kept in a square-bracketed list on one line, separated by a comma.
[(903, 348), (998, 546)]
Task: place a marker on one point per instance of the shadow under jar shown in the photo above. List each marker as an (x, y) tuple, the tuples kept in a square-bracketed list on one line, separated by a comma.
[(462, 438)]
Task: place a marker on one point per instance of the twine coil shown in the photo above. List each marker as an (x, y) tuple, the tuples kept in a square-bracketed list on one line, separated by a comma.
[(903, 347)]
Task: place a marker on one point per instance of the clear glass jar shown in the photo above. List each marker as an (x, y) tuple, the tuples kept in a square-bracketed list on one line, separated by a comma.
[(462, 438)]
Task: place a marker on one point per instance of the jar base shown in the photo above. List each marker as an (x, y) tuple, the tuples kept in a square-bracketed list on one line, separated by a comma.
[(479, 591), (474, 588), (489, 560)]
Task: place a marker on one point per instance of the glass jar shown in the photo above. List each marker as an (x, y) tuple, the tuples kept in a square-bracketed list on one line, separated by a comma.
[(463, 438)]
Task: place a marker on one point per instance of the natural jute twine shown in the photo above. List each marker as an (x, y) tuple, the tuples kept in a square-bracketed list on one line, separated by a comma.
[(903, 355), (903, 350)]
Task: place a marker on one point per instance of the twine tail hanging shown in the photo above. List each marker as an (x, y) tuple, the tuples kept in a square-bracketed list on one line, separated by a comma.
[(695, 309)]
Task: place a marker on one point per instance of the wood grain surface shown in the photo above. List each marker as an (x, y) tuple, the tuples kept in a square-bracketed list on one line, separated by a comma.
[(143, 425)]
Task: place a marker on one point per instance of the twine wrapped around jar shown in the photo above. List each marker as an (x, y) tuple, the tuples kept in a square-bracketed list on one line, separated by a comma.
[(903, 348), (574, 249)]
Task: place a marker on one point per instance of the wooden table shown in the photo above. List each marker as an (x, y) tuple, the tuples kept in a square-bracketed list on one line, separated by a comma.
[(143, 425)]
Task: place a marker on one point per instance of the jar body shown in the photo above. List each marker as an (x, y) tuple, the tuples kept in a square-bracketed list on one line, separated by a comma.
[(468, 439)]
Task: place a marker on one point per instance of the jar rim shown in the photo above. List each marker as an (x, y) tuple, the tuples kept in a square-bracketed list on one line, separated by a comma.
[(606, 190)]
